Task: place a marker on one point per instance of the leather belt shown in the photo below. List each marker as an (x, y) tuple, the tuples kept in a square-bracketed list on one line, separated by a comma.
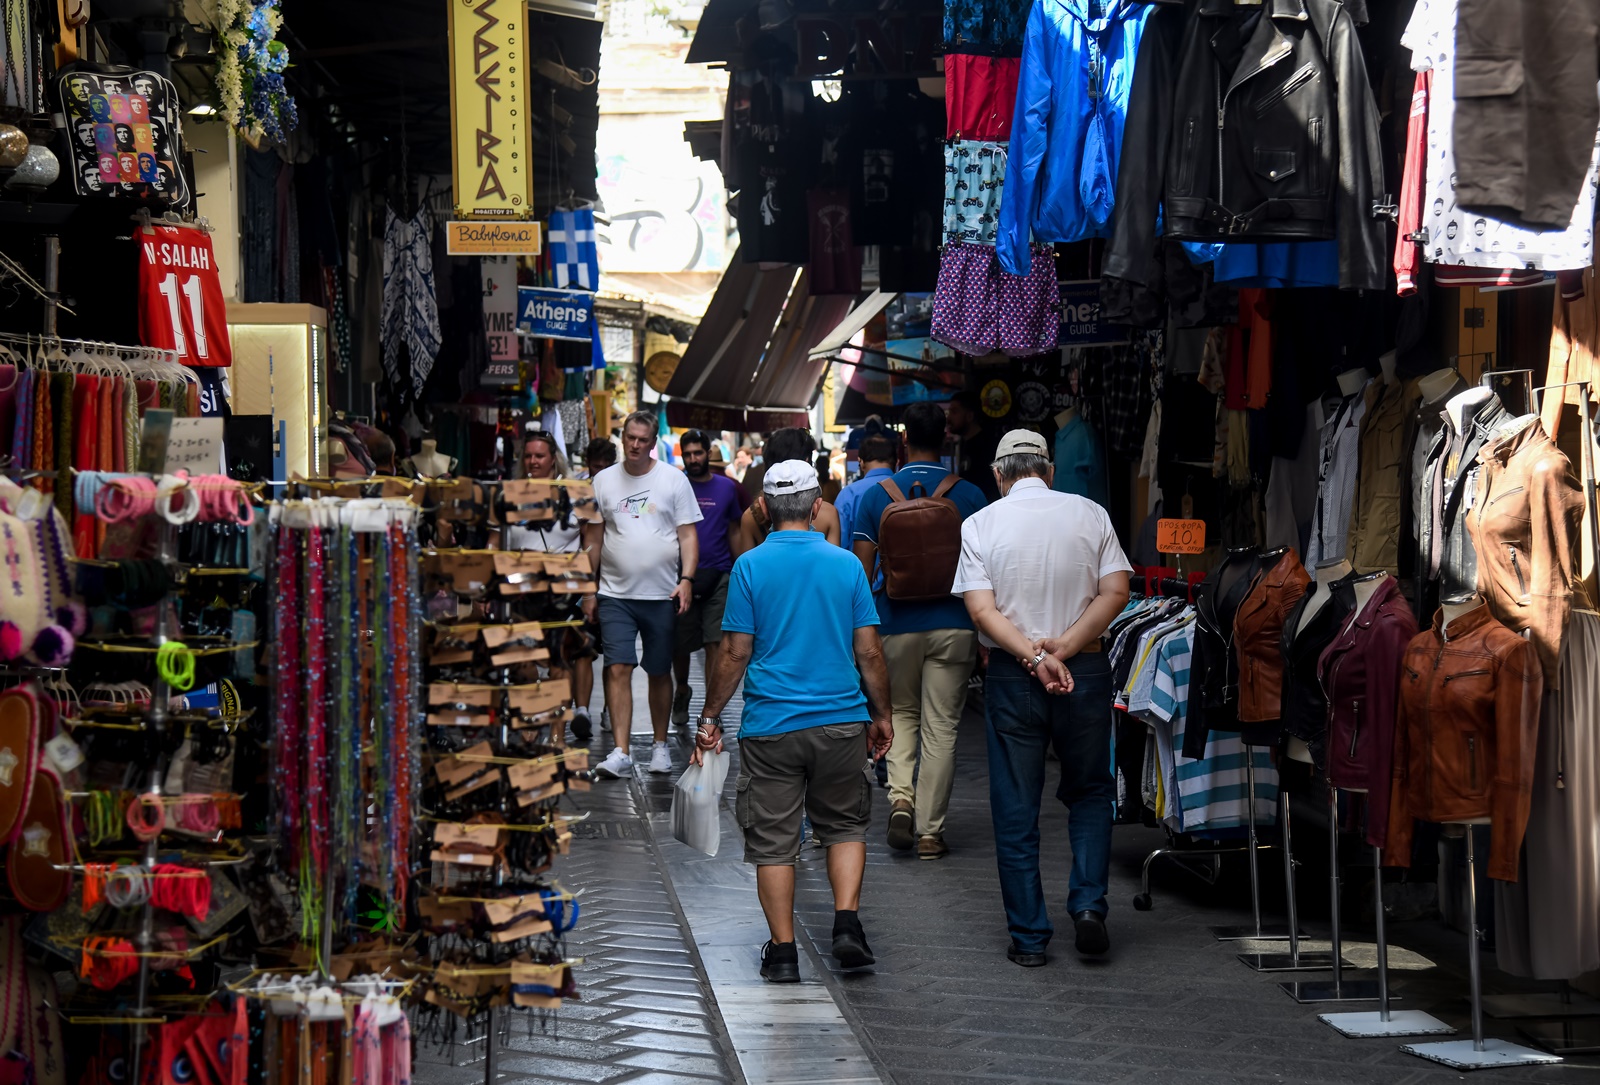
[(1225, 221)]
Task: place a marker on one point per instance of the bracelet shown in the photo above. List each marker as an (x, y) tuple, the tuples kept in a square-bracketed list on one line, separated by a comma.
[(127, 887), (139, 820)]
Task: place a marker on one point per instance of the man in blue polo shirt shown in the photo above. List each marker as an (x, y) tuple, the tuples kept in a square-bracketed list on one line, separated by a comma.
[(800, 621), (877, 463), (931, 647)]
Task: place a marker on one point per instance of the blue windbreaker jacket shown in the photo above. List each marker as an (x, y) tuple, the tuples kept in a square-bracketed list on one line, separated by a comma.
[(1066, 136)]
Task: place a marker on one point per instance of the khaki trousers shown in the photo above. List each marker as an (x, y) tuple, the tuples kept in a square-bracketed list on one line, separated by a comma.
[(928, 675)]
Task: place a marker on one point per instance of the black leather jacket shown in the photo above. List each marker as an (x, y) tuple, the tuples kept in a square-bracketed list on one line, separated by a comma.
[(1257, 124)]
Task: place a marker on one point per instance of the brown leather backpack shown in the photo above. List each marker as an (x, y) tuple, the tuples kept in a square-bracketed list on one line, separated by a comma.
[(919, 542)]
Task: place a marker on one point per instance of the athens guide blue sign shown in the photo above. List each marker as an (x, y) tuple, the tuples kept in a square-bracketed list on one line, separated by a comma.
[(555, 314)]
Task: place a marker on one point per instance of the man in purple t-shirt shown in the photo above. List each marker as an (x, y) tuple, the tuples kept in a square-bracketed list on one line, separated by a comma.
[(722, 503)]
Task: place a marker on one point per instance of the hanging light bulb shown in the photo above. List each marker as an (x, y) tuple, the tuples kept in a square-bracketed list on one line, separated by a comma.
[(38, 170), (13, 146)]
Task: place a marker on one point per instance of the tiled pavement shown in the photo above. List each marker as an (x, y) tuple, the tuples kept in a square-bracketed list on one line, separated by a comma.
[(944, 1005)]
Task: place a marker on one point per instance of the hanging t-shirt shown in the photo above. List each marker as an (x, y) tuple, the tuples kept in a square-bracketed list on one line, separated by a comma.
[(1463, 237), (640, 558), (775, 165), (180, 296), (835, 266)]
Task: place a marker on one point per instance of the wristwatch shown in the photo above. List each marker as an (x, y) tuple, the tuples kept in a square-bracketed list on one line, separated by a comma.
[(711, 721)]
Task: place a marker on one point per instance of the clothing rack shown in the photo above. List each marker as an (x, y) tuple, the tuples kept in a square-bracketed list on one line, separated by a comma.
[(1165, 582)]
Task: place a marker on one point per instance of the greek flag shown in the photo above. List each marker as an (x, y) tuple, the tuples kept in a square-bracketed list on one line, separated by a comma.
[(573, 251)]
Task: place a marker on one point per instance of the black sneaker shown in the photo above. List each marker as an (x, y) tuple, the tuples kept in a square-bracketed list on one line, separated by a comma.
[(850, 947), (582, 728), (780, 962)]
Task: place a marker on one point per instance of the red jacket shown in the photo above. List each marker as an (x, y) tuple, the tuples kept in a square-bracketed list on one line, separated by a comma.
[(1360, 674)]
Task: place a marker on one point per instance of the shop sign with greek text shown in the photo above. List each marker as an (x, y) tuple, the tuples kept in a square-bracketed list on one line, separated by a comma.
[(490, 142)]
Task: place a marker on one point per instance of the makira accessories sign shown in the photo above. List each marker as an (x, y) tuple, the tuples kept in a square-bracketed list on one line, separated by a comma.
[(492, 157)]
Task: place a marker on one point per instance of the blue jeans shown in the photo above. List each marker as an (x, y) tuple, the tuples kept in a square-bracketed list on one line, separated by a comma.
[(1023, 719)]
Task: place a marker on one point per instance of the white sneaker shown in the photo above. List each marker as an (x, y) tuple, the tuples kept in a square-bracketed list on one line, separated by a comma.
[(660, 758), (616, 765)]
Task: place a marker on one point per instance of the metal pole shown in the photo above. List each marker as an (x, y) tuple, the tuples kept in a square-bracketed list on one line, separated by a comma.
[(1472, 935), (1288, 879), (52, 282), (1383, 937), (1333, 885), (155, 724), (1250, 820)]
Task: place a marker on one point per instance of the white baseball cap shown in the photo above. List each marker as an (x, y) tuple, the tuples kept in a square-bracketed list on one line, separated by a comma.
[(1019, 441), (790, 477)]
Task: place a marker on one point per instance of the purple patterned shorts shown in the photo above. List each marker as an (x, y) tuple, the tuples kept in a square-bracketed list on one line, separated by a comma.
[(978, 308)]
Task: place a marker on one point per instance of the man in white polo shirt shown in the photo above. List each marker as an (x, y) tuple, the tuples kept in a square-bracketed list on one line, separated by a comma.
[(1043, 575)]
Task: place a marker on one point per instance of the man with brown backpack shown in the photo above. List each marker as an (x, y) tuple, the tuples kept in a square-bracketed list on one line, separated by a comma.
[(908, 528)]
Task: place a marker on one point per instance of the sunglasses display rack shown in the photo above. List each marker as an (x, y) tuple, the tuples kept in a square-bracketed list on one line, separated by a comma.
[(499, 698)]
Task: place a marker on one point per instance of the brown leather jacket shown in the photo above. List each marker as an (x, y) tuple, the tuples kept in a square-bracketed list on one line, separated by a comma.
[(1360, 672), (1524, 524), (1257, 631), (1464, 747)]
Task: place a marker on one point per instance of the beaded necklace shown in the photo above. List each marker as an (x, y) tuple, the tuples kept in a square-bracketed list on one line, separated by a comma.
[(383, 689), (315, 816), (286, 689), (410, 759)]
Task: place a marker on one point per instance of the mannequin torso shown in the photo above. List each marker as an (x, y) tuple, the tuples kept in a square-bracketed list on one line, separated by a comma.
[(1436, 385), (1352, 381), (431, 463), (1322, 588)]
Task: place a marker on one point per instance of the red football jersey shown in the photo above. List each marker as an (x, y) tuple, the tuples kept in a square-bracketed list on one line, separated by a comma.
[(180, 296)]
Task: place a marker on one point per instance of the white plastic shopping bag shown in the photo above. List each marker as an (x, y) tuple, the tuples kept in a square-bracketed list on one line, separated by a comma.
[(697, 803)]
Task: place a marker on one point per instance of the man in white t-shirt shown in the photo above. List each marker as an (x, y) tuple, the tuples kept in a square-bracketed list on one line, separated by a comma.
[(647, 551), (1043, 575)]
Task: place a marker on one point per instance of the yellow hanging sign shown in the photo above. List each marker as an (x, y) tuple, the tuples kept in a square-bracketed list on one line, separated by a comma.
[(491, 144)]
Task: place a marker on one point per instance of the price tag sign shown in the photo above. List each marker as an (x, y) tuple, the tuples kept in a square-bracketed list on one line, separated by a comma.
[(195, 445), (1181, 536)]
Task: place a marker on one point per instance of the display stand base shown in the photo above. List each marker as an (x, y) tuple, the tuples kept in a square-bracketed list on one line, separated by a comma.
[(1268, 932), (1303, 991), (1287, 962), (1540, 1004), (1463, 1055), (1565, 1037), (1370, 1023)]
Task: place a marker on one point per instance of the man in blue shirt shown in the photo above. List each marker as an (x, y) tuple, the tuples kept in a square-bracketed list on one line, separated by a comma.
[(800, 629), (877, 463), (931, 647)]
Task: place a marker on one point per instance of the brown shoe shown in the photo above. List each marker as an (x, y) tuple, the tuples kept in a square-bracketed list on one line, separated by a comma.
[(932, 847), (900, 822)]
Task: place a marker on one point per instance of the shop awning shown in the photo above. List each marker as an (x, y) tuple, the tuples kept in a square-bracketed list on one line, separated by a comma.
[(753, 351), (733, 335), (859, 317)]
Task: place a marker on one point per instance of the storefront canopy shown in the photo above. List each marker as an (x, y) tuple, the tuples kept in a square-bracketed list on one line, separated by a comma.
[(754, 348), (846, 329)]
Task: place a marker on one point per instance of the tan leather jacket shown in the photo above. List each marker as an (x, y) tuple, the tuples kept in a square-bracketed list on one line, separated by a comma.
[(1257, 632), (1524, 525), (1465, 740)]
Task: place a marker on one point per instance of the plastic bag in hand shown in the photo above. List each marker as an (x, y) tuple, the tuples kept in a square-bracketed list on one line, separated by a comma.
[(697, 803)]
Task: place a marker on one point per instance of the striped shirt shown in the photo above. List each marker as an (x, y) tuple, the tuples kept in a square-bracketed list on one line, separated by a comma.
[(1212, 791)]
